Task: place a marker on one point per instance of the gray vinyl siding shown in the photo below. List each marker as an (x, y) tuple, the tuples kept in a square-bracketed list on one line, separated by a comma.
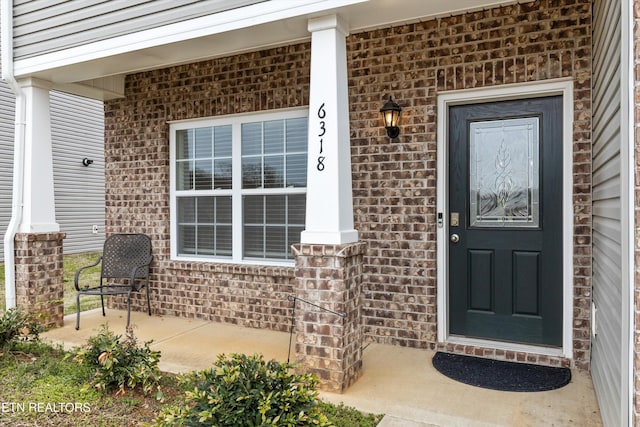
[(7, 109), (609, 365), (77, 131), (46, 26)]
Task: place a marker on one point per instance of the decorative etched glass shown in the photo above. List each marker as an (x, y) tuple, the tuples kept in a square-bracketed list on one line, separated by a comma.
[(504, 163)]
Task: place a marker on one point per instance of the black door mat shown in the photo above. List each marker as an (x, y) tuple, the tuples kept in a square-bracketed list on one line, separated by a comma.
[(499, 374)]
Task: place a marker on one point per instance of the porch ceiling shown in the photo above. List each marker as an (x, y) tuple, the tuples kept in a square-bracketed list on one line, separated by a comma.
[(98, 70)]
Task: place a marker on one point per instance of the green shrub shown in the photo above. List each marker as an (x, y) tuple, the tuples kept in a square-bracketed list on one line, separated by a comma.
[(247, 391), (120, 363), (16, 325), (346, 416)]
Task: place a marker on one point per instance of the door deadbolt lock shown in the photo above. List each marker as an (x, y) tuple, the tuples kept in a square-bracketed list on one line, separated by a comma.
[(455, 238), (454, 220)]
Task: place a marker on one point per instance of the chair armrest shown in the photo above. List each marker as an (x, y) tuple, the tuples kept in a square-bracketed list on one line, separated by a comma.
[(77, 276), (134, 271)]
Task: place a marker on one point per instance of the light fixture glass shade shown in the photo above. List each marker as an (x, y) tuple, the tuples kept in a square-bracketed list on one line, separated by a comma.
[(391, 113)]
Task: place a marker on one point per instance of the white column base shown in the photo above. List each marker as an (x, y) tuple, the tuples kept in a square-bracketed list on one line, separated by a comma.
[(329, 237)]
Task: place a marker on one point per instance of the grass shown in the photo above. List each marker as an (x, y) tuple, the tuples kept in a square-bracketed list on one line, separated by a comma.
[(91, 277), (72, 262), (39, 386)]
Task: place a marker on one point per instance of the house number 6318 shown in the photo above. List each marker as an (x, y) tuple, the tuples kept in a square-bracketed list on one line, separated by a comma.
[(321, 115)]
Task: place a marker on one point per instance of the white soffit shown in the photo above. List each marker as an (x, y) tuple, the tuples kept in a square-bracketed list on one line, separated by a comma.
[(245, 29)]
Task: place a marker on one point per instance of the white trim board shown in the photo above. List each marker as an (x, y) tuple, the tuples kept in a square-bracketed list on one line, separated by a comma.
[(236, 121), (562, 87)]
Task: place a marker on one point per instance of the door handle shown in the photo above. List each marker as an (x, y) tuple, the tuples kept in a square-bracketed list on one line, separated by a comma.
[(455, 238)]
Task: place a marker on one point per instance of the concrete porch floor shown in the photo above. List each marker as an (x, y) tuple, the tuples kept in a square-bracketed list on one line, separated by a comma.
[(399, 382)]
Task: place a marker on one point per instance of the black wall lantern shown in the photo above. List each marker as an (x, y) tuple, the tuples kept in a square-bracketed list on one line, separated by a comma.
[(391, 115)]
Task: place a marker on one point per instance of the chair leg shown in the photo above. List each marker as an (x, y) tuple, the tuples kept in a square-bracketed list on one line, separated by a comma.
[(128, 309), (148, 300), (102, 301), (78, 313)]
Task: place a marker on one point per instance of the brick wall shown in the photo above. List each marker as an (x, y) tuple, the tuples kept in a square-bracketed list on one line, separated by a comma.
[(329, 345), (394, 183), (39, 284), (137, 178)]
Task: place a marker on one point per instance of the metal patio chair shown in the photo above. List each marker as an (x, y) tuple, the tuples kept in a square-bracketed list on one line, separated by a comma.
[(126, 258)]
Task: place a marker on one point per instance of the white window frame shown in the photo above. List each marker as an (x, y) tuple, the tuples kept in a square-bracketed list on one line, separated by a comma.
[(236, 192)]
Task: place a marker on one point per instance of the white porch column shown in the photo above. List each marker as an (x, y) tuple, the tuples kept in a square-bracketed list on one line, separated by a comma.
[(329, 217), (39, 215)]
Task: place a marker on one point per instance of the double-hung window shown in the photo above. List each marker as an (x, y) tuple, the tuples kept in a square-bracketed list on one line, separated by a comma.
[(238, 186)]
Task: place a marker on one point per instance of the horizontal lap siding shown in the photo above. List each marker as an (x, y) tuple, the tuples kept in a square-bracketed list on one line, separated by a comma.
[(608, 367), (50, 25), (77, 131), (7, 109)]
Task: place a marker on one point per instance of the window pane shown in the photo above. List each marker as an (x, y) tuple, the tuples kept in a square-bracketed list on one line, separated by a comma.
[(273, 156), (276, 242), (274, 172), (186, 210), (223, 240), (187, 239), (293, 238), (204, 175), (222, 141), (269, 225), (274, 137), (504, 173), (253, 209), (205, 210), (251, 138), (184, 175), (252, 172), (203, 140), (204, 226), (184, 148), (297, 135), (223, 210), (206, 240), (297, 170), (222, 178), (296, 209), (276, 210), (254, 242)]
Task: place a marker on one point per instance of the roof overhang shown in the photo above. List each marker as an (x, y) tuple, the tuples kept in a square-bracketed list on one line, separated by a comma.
[(97, 69)]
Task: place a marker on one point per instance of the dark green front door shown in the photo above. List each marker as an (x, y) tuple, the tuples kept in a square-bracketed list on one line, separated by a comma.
[(505, 221)]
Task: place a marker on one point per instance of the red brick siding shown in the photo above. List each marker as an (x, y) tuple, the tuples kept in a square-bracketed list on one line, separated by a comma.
[(394, 183), (137, 177), (39, 271)]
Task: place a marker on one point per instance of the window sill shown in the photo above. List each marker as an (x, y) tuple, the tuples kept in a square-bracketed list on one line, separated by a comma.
[(262, 267)]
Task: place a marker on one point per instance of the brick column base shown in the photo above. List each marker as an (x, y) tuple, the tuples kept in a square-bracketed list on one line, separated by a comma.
[(328, 345), (39, 271)]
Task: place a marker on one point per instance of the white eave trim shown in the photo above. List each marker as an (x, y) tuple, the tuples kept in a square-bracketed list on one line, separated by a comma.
[(235, 19)]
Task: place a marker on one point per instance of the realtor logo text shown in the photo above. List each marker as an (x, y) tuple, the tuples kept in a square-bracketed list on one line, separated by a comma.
[(44, 407)]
